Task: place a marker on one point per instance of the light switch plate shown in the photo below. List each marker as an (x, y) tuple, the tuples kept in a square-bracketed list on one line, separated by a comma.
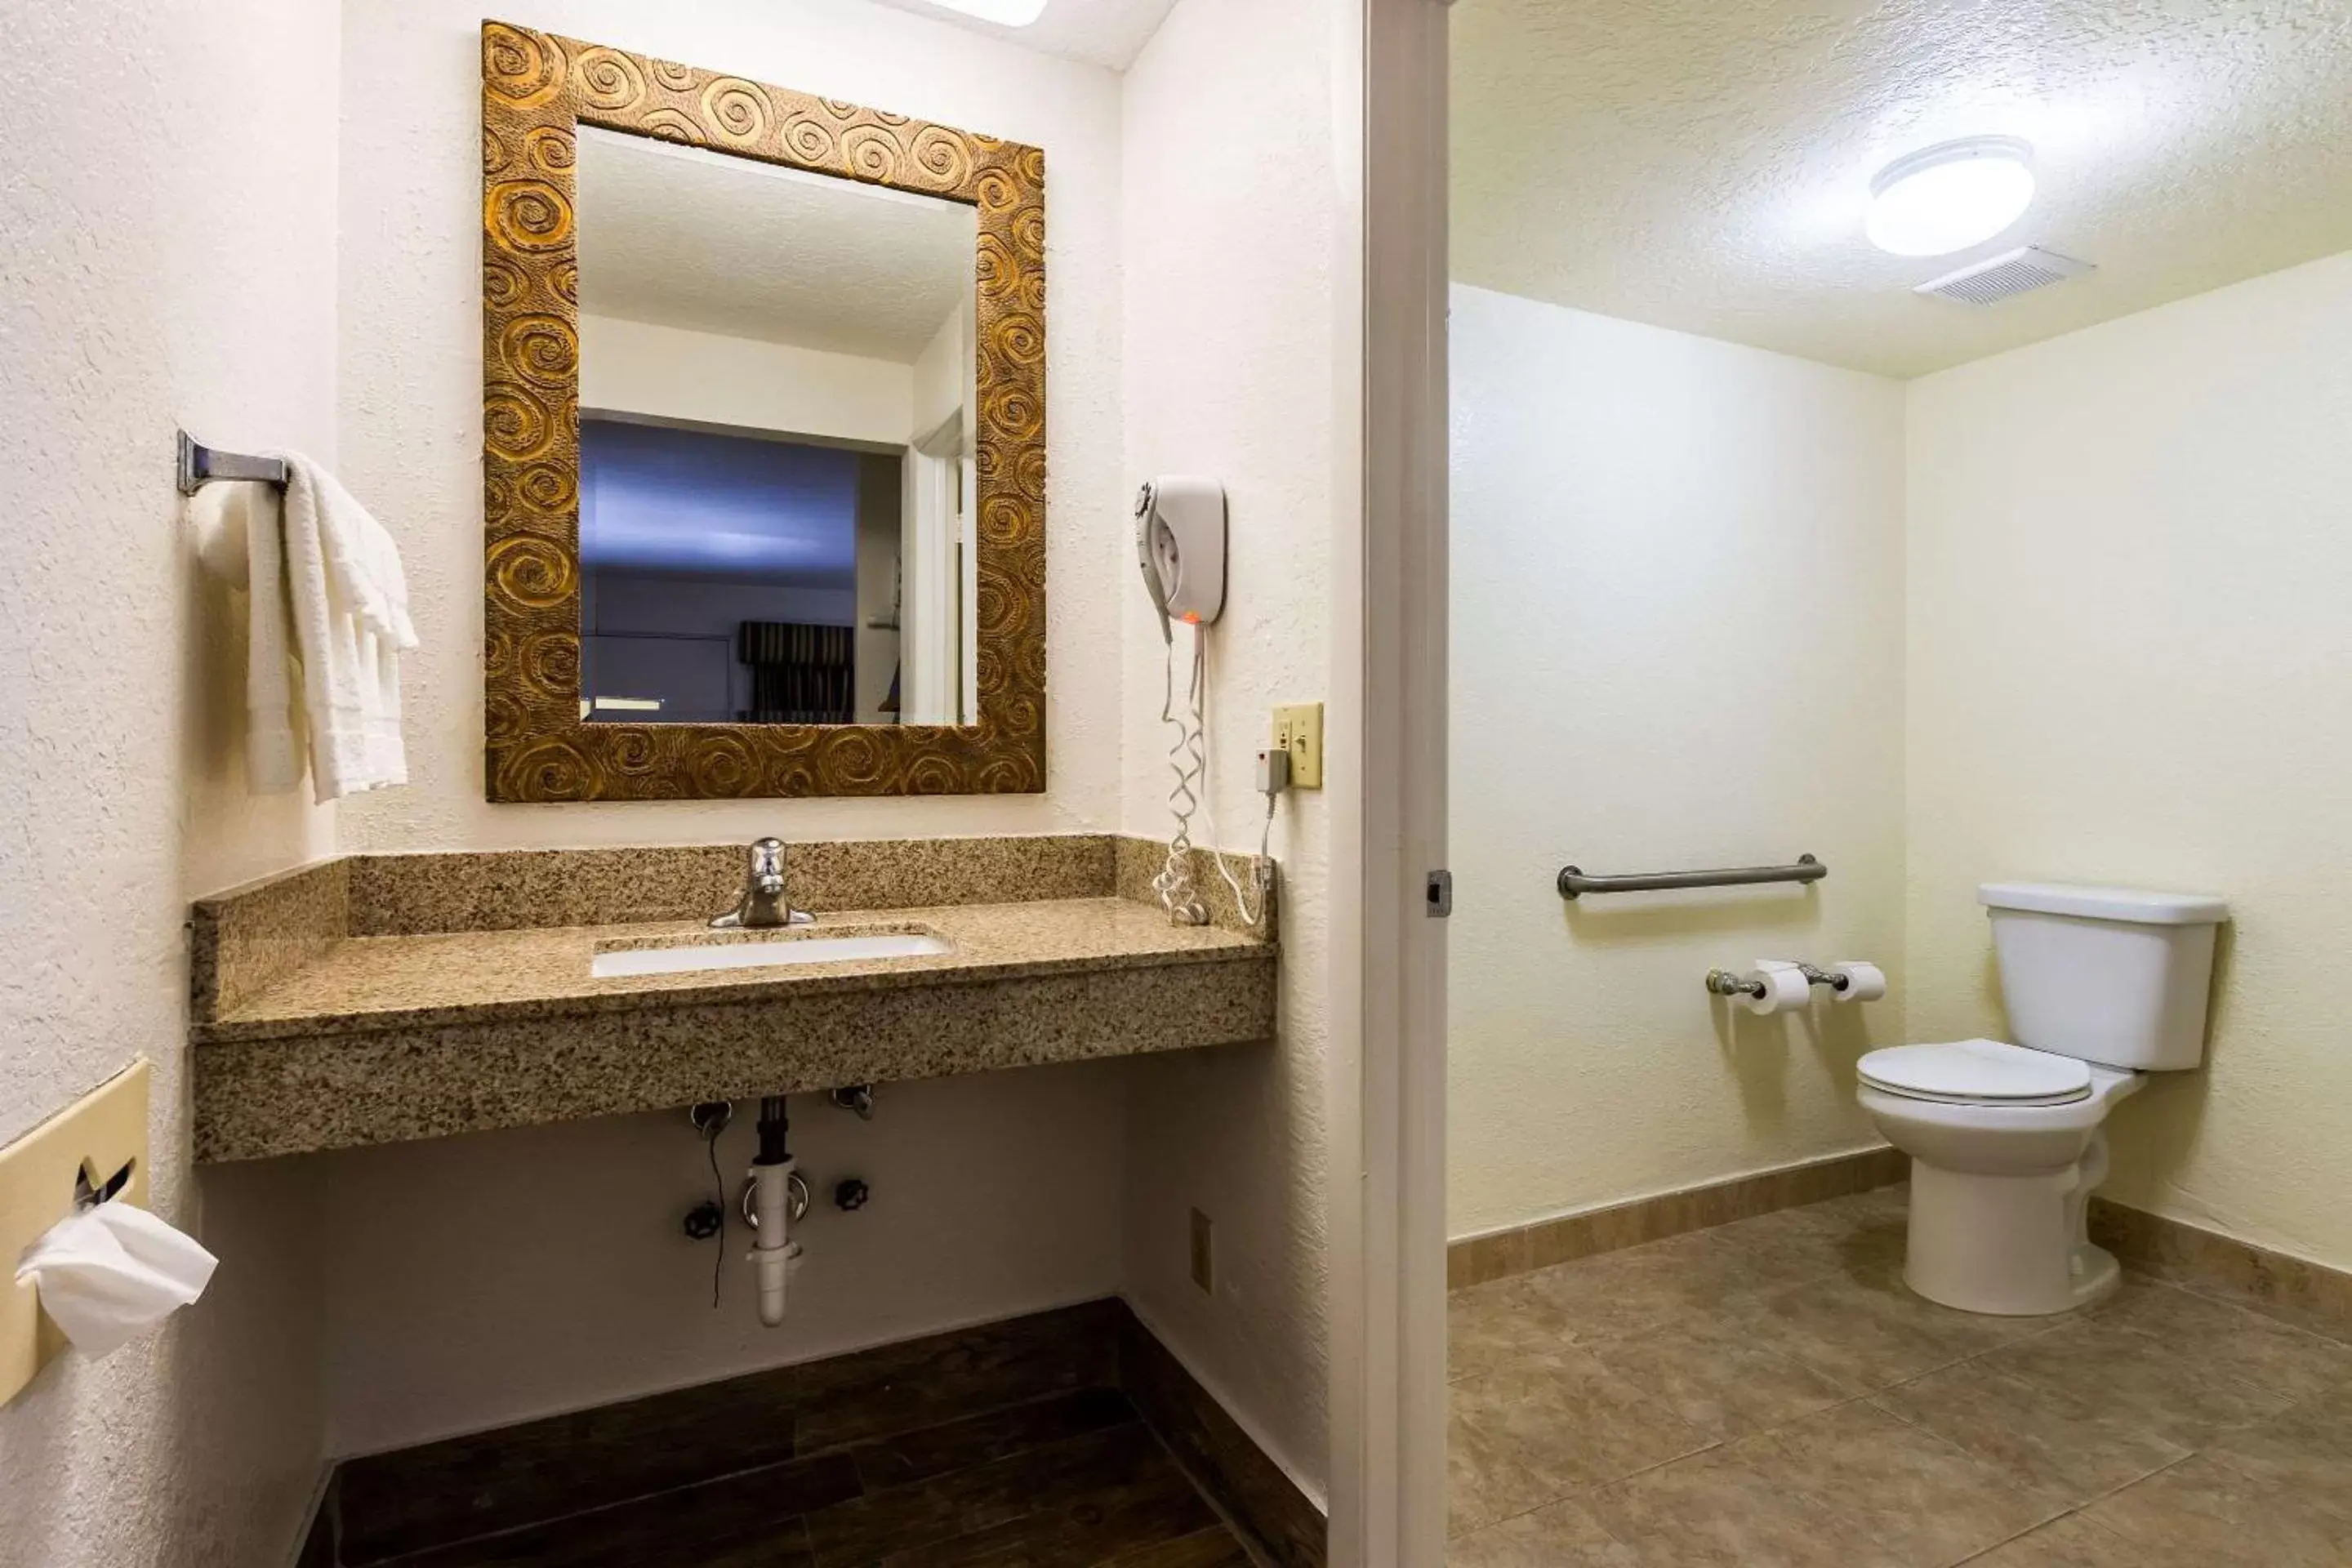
[(96, 1136), (1298, 730)]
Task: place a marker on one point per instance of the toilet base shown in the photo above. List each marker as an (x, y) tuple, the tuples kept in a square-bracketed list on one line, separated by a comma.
[(2010, 1246)]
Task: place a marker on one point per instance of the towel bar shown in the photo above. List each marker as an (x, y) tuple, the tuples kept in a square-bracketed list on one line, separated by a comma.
[(200, 465), (1573, 881)]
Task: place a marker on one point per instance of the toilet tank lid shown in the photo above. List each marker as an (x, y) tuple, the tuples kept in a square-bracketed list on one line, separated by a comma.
[(2126, 904)]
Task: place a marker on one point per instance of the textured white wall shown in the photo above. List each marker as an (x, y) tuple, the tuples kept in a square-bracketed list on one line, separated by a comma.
[(412, 380), (2129, 556), (484, 1279), (1677, 639), (636, 367), (170, 214), (525, 1317), (1232, 221)]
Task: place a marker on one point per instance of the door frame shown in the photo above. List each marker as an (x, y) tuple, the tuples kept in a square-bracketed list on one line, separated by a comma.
[(1387, 1234)]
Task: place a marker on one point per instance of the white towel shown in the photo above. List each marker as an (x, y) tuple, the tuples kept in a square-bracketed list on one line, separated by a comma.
[(324, 586), (237, 528), (349, 603)]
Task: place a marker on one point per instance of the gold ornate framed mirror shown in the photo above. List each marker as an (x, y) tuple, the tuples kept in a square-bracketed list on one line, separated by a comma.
[(791, 541)]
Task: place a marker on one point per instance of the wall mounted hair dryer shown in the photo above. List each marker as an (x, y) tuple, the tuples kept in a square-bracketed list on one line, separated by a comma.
[(1180, 542)]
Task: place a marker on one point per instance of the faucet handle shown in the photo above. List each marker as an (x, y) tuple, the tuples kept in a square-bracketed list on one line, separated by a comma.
[(767, 890)]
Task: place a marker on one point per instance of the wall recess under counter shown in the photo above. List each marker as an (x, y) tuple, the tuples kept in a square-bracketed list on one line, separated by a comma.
[(383, 998)]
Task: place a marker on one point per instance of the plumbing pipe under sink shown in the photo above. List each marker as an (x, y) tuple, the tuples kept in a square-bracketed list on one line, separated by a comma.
[(772, 1248)]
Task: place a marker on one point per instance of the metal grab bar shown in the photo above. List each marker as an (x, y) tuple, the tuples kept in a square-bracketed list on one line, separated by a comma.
[(1573, 881)]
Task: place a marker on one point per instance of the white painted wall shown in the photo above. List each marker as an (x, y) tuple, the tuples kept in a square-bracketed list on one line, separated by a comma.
[(1677, 642), (636, 367), (2130, 552), (943, 376), (467, 1319), (941, 643), (170, 212), (489, 1278), (411, 398), (1230, 247)]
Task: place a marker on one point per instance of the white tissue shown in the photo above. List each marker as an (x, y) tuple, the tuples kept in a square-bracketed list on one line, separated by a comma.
[(1864, 982), (109, 1274), (1786, 989)]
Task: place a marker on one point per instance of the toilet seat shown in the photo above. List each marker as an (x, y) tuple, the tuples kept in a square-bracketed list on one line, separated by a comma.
[(1977, 1072)]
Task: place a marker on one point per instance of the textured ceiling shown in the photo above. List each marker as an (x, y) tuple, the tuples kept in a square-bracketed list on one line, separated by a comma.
[(1706, 166), (683, 237), (1102, 32)]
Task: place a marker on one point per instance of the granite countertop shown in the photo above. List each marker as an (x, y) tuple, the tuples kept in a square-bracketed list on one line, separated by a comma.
[(373, 982), (378, 999)]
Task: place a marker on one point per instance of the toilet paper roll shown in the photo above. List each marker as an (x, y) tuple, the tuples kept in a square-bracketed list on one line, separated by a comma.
[(1784, 991), (1864, 982), (109, 1274)]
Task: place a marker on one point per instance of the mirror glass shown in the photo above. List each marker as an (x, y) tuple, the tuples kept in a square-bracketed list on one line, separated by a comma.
[(776, 437)]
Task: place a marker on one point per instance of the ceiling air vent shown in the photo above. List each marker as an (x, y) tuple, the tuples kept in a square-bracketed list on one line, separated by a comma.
[(2014, 272)]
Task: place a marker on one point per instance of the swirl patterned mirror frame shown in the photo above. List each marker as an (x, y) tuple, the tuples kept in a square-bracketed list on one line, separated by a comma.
[(537, 90)]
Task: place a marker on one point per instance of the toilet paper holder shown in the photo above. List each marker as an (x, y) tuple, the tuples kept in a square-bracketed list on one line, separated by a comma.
[(1729, 983)]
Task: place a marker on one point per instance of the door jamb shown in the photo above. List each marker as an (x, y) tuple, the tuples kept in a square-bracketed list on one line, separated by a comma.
[(1388, 1083)]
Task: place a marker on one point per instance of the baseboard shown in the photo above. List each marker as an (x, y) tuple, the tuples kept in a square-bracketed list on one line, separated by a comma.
[(1257, 1494), (2276, 1284), (1475, 1260)]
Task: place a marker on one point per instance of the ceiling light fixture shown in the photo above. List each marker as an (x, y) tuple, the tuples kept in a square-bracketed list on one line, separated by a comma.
[(1950, 197), (1004, 13)]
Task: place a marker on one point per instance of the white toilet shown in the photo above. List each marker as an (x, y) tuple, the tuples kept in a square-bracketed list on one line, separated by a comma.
[(2103, 986)]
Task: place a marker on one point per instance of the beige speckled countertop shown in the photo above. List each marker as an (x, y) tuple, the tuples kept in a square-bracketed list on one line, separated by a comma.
[(309, 1036), (483, 976)]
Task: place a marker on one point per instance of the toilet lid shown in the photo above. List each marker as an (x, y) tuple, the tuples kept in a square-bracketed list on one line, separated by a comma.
[(1978, 1072)]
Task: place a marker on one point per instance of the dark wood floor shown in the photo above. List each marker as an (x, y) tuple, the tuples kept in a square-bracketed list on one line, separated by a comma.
[(1004, 1448)]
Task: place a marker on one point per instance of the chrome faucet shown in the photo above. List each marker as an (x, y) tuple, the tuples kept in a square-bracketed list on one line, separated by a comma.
[(767, 892)]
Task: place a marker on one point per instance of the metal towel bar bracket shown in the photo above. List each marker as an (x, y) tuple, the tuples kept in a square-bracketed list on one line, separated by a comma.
[(200, 465), (1573, 881)]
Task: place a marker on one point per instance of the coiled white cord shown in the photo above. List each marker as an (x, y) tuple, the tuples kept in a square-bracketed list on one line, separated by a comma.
[(1258, 867), (1188, 760)]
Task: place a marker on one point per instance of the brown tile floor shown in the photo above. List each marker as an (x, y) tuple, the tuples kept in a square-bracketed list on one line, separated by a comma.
[(1010, 1445), (1766, 1395), (1074, 1481)]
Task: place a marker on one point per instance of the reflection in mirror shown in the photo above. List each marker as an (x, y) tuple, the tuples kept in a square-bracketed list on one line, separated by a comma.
[(776, 441)]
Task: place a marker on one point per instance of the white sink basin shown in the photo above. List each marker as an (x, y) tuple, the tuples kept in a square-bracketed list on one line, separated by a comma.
[(765, 954)]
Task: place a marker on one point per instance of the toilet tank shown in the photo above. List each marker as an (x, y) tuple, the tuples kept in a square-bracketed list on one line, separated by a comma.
[(2105, 974)]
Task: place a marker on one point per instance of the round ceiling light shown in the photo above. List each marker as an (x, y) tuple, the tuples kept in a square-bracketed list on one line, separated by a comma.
[(1950, 197)]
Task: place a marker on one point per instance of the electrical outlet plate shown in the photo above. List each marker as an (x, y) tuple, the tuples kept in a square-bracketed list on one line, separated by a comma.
[(1298, 730), (1204, 1253), (95, 1137)]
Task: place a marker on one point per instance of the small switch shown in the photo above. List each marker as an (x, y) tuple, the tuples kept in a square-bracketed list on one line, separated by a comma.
[(1298, 730), (1204, 1253)]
